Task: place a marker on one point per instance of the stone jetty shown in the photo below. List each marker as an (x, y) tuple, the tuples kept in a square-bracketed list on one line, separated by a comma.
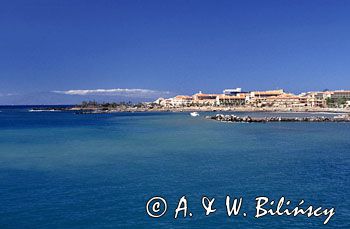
[(234, 118)]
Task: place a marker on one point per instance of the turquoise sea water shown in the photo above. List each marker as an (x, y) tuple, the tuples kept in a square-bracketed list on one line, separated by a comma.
[(62, 170)]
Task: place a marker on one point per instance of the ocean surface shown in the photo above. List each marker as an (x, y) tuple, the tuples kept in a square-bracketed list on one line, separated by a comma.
[(63, 170)]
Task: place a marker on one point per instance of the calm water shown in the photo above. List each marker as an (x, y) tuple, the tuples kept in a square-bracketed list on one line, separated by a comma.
[(61, 170)]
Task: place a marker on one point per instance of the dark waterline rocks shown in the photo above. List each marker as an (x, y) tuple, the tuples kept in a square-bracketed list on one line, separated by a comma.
[(234, 118)]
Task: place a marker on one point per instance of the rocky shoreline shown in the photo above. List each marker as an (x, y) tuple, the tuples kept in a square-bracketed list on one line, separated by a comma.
[(248, 119)]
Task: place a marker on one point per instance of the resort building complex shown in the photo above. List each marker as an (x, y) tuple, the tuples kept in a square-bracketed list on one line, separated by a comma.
[(271, 98)]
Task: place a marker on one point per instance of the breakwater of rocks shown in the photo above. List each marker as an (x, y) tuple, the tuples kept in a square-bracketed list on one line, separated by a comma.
[(234, 118)]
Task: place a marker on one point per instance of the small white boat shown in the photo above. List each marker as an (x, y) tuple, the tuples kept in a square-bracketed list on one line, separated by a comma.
[(194, 114)]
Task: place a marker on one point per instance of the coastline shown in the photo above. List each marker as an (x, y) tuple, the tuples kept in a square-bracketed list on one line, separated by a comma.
[(213, 109)]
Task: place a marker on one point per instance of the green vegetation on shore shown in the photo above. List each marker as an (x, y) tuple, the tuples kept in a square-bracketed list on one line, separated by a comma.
[(335, 103), (106, 105)]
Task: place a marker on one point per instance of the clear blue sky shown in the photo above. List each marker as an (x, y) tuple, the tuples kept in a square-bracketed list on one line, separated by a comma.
[(171, 46)]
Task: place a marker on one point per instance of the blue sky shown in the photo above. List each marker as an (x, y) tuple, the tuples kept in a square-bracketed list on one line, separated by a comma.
[(160, 48)]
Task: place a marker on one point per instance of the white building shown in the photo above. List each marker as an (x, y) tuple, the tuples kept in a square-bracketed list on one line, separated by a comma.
[(182, 100), (232, 91)]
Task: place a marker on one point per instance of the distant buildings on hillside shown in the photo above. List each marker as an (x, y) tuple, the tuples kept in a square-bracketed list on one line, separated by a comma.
[(271, 98)]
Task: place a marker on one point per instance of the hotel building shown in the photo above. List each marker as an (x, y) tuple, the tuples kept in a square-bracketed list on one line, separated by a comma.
[(259, 98), (338, 94), (285, 100), (205, 99), (230, 100), (182, 100), (314, 99), (270, 98)]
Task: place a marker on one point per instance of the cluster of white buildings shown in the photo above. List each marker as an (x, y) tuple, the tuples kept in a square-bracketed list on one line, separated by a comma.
[(270, 98)]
